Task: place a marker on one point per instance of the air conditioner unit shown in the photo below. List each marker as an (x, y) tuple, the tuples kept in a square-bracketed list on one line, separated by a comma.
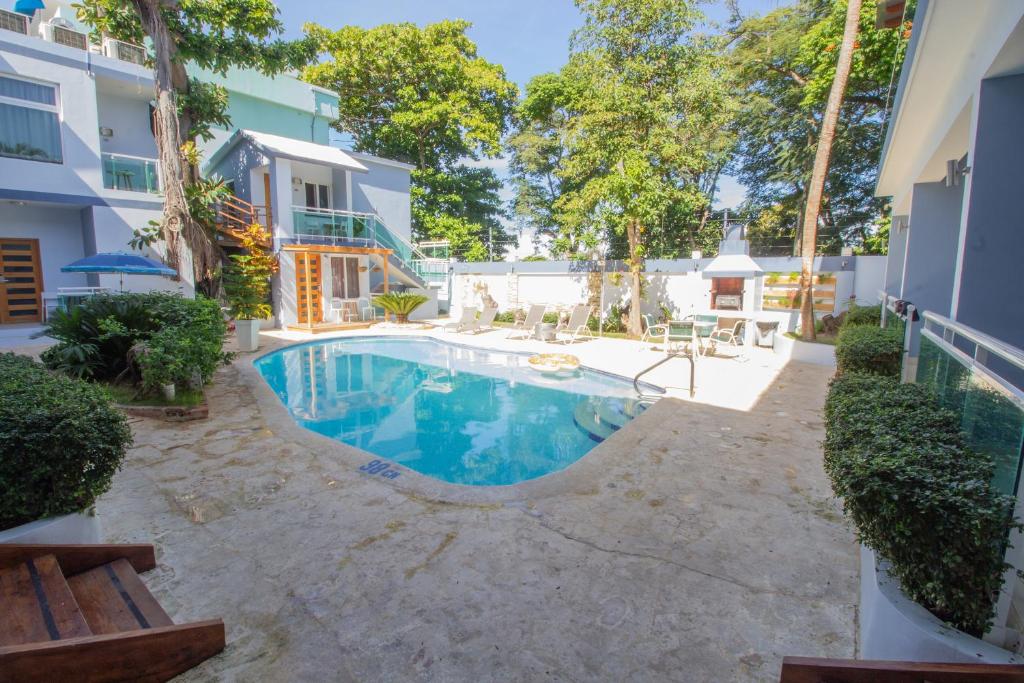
[(59, 30), (126, 52)]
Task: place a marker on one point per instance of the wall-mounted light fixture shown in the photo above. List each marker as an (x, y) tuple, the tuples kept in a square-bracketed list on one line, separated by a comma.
[(955, 170), (106, 132)]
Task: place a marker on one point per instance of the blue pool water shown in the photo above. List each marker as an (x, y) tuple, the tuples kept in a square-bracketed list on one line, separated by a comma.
[(458, 414)]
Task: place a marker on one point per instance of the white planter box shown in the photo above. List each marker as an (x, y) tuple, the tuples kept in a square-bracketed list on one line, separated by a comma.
[(248, 334), (75, 528), (805, 352), (892, 626)]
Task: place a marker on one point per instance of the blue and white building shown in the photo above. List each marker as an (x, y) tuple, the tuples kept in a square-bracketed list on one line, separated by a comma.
[(79, 170)]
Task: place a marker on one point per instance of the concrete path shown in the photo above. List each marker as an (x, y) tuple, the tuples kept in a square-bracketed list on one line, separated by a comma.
[(699, 543)]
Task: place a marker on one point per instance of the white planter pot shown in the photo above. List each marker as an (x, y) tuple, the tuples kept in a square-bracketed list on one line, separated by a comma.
[(247, 333), (74, 528), (168, 391), (892, 626)]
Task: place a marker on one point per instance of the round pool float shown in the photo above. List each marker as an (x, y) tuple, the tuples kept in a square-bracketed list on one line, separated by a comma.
[(554, 363)]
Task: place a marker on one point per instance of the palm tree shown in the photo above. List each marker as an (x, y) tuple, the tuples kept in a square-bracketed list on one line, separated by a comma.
[(821, 159)]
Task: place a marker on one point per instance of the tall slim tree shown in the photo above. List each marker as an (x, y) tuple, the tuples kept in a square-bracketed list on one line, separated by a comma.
[(423, 95), (215, 35), (820, 170)]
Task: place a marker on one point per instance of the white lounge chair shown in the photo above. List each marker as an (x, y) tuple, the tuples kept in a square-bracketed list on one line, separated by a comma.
[(484, 323), (576, 326), (524, 329), (468, 318)]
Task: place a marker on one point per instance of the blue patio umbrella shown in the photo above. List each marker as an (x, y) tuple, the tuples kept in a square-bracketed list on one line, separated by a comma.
[(121, 263), (28, 7)]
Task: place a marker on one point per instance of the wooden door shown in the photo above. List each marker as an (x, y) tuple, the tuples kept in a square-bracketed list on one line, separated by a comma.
[(308, 288), (21, 284)]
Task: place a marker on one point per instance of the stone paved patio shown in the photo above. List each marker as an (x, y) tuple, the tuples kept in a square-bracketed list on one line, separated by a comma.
[(697, 544)]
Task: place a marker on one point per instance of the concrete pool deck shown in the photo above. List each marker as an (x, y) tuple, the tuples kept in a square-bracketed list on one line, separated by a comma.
[(699, 543)]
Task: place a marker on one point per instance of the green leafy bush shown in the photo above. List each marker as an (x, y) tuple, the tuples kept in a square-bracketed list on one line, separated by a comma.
[(863, 348), (507, 316), (863, 315), (61, 441), (99, 338), (402, 304), (917, 495)]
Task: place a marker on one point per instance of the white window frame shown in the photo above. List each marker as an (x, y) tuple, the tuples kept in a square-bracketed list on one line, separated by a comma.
[(28, 104), (316, 195)]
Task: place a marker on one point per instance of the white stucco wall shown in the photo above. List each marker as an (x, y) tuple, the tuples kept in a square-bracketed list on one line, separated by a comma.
[(681, 285)]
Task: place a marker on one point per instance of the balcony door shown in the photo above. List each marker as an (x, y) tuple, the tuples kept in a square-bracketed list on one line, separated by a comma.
[(21, 281), (318, 196)]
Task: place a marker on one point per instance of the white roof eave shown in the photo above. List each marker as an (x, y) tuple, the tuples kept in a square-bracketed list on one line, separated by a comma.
[(732, 265)]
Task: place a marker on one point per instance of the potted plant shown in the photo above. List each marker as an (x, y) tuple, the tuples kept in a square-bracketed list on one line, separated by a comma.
[(61, 441), (401, 304), (247, 285)]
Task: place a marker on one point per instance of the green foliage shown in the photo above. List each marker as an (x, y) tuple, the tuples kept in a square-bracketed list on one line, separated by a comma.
[(869, 349), (917, 496), (247, 279), (400, 303), (61, 441), (784, 63), (424, 96), (863, 315), (99, 338)]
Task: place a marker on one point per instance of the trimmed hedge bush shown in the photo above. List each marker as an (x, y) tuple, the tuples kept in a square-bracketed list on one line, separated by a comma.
[(97, 339), (61, 441), (863, 315), (917, 495), (863, 348)]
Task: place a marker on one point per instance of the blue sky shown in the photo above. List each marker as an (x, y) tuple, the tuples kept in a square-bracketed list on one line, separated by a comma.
[(527, 37)]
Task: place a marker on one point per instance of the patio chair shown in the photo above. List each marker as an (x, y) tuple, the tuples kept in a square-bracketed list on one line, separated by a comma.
[(484, 323), (678, 333), (366, 309), (731, 336), (468, 318), (705, 338), (652, 330), (524, 329), (576, 326)]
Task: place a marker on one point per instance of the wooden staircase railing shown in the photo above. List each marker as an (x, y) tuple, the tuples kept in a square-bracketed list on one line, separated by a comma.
[(809, 670), (234, 215)]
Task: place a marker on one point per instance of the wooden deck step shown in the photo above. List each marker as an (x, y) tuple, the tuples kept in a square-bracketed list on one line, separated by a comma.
[(37, 604), (113, 599)]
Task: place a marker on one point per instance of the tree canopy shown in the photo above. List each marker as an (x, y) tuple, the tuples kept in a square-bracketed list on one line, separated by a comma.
[(424, 96)]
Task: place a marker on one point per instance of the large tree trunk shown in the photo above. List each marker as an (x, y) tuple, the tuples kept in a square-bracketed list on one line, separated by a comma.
[(182, 235), (636, 266), (821, 160)]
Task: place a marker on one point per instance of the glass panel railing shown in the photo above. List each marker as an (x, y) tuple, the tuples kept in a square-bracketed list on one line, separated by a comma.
[(133, 174), (990, 406)]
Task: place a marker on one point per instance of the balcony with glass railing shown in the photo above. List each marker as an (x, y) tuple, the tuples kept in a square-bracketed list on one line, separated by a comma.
[(131, 173), (326, 226)]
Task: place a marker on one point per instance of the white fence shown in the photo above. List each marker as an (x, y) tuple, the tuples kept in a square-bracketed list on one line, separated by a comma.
[(680, 285)]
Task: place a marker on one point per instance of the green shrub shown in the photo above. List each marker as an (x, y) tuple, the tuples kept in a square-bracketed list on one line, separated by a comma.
[(402, 304), (97, 339), (917, 495), (506, 316), (863, 315), (863, 348), (61, 441)]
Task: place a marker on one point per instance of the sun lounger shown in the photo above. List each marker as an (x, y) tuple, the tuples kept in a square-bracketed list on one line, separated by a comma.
[(484, 323), (524, 329), (468, 318), (576, 326)]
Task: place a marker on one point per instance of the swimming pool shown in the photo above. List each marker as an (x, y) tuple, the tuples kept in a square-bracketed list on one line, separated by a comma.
[(455, 413)]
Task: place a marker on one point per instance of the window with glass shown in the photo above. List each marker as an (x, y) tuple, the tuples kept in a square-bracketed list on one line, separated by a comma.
[(318, 196), (29, 120)]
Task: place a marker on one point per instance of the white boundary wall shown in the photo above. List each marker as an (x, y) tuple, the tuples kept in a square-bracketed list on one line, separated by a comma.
[(679, 284)]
